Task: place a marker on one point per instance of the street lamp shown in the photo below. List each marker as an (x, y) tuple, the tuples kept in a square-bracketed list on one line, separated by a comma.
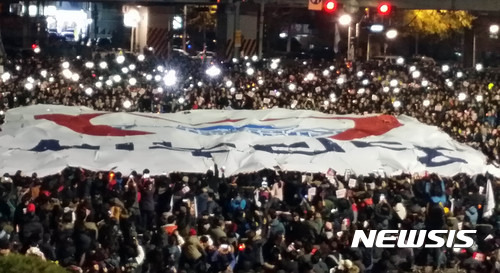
[(345, 20), (494, 29), (391, 34), (377, 28)]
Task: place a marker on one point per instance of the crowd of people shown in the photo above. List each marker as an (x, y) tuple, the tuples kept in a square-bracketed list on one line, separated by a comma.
[(461, 102), (270, 221)]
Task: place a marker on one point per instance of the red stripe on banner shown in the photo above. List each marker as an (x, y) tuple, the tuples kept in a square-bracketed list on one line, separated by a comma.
[(81, 124)]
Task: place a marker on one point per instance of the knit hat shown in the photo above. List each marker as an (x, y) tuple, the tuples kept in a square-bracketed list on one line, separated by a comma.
[(31, 208), (192, 232)]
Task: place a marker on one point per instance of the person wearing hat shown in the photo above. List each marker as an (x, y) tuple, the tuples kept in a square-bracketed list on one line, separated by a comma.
[(31, 230), (193, 251)]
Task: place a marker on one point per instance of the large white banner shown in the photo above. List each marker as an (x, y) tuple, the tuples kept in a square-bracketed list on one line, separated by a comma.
[(46, 138)]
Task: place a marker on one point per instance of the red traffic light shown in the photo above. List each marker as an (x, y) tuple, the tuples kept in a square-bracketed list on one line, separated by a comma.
[(384, 9), (330, 5), (33, 46)]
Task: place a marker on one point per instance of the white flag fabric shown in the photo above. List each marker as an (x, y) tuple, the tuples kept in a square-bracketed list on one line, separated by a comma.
[(47, 138), (489, 207)]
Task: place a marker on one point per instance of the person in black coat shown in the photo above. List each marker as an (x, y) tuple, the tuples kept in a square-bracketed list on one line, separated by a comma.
[(147, 205), (295, 229), (31, 230)]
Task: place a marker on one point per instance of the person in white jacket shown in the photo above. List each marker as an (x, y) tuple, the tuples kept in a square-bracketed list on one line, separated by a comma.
[(277, 190)]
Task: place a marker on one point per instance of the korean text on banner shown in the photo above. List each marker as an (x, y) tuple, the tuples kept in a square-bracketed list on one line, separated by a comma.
[(48, 138)]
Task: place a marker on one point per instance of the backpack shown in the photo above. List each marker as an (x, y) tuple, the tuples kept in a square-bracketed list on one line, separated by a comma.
[(263, 196), (238, 204)]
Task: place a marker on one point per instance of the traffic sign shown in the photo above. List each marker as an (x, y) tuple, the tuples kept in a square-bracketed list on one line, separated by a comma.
[(315, 4)]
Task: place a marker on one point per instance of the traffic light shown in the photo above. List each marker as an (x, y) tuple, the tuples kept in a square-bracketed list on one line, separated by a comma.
[(384, 9), (330, 6)]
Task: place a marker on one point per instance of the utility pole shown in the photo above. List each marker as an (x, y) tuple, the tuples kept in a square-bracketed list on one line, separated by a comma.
[(261, 27), (184, 28), (350, 55), (237, 31), (356, 44), (474, 49)]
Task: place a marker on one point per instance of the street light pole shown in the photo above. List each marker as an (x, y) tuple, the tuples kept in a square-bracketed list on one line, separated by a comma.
[(346, 20), (132, 39), (356, 45), (349, 44), (184, 27), (474, 49), (368, 46)]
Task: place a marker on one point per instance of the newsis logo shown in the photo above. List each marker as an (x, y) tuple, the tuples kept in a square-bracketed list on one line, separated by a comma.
[(414, 238)]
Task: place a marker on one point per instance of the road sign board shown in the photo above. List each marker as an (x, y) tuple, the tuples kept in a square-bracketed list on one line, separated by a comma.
[(315, 4)]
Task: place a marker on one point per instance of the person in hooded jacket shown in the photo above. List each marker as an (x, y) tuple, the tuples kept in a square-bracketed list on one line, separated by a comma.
[(275, 225)]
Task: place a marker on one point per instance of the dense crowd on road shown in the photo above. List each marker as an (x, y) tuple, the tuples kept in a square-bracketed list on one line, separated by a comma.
[(270, 221), (461, 102)]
